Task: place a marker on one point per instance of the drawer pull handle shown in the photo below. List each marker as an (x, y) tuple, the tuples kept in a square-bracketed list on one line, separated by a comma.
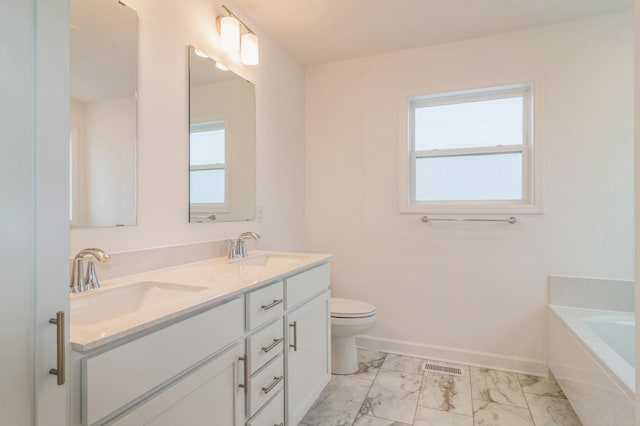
[(275, 343), (273, 384), (295, 336), (279, 424), (59, 370), (275, 302), (246, 373)]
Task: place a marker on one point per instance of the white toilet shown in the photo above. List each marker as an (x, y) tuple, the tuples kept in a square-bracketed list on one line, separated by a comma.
[(348, 318)]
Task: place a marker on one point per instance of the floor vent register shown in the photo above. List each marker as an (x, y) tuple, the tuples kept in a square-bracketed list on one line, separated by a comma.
[(443, 369)]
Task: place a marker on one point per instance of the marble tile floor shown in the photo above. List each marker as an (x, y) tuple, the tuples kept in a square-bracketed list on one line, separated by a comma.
[(393, 390)]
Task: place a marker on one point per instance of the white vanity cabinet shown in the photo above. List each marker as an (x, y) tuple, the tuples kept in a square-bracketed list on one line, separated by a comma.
[(260, 358)]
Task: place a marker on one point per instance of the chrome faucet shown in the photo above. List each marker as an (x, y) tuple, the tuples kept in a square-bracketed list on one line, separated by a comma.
[(79, 284), (238, 247)]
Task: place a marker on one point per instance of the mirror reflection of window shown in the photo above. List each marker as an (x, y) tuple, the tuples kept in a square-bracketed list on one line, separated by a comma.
[(207, 171)]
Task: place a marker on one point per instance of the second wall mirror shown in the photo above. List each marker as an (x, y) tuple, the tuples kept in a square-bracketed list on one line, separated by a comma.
[(221, 142)]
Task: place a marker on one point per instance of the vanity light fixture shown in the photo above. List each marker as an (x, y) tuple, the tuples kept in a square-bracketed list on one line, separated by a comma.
[(236, 36)]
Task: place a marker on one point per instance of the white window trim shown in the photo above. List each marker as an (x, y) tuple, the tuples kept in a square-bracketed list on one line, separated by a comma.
[(533, 178), (200, 209)]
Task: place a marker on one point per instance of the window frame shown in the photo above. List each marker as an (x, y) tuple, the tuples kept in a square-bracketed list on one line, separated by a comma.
[(199, 209), (531, 150)]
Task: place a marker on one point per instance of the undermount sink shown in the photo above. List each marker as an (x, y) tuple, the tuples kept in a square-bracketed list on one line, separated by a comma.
[(102, 305), (268, 260)]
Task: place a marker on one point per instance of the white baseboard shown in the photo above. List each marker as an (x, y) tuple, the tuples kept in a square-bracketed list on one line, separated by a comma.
[(454, 355)]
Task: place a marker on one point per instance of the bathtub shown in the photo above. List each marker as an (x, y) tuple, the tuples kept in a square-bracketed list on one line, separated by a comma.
[(592, 355)]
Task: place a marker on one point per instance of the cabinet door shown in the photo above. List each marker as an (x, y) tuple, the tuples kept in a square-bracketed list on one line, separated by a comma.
[(210, 395), (308, 356)]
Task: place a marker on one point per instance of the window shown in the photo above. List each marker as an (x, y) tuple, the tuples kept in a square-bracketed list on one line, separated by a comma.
[(207, 171), (471, 151)]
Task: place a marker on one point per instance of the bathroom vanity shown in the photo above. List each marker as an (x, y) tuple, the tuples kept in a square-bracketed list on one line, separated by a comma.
[(218, 342)]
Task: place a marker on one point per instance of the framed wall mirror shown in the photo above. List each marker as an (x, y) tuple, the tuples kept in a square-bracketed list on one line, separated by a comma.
[(221, 142), (103, 69)]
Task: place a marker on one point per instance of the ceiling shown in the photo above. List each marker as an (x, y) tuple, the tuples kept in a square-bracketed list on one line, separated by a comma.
[(320, 31)]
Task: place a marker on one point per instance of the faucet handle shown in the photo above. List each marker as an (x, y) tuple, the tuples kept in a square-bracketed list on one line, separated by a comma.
[(233, 249), (76, 276), (91, 279)]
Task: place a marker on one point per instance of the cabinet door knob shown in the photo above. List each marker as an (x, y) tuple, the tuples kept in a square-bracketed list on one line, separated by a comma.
[(59, 370), (273, 384), (275, 302), (275, 343)]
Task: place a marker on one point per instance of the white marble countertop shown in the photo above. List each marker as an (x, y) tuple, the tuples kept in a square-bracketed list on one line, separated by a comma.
[(220, 278), (621, 371)]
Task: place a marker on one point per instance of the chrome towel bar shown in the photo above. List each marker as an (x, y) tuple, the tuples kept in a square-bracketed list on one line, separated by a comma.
[(511, 220)]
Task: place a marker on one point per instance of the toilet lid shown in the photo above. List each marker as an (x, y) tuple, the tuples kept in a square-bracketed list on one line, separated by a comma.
[(349, 308)]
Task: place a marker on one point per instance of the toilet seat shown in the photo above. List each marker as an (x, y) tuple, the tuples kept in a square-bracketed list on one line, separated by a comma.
[(349, 308)]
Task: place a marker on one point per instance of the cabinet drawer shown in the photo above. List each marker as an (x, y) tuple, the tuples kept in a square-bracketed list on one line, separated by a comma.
[(306, 284), (265, 345), (114, 378), (272, 414), (265, 384), (264, 304)]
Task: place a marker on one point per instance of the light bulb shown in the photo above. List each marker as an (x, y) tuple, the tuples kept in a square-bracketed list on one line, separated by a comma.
[(230, 34), (249, 52)]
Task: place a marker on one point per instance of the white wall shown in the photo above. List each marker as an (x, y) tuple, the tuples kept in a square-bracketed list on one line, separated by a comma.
[(166, 28), (474, 292)]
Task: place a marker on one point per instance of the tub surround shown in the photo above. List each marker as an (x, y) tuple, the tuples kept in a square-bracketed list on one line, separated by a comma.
[(221, 278), (592, 293)]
